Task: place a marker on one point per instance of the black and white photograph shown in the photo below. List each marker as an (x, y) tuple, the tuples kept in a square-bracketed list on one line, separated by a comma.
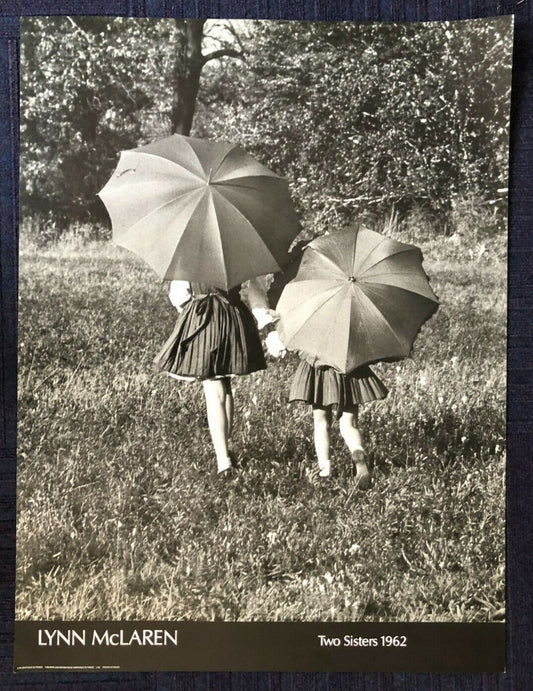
[(262, 320)]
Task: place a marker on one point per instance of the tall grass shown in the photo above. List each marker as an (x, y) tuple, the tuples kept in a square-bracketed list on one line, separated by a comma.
[(120, 516)]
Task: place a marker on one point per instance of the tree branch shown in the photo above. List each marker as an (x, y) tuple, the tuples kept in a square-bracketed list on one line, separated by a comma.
[(78, 28), (230, 26), (223, 52)]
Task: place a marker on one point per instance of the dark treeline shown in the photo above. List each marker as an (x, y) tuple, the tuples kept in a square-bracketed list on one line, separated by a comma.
[(361, 118)]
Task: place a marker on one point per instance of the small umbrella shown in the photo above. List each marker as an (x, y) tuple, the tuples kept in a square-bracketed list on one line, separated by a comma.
[(200, 211), (358, 297)]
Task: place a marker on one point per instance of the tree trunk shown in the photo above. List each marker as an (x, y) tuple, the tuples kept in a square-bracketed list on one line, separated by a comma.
[(187, 70)]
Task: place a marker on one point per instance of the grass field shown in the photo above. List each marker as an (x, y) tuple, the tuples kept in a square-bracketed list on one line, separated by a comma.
[(120, 517)]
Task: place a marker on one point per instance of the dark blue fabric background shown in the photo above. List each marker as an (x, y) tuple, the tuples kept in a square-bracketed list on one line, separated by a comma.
[(520, 337)]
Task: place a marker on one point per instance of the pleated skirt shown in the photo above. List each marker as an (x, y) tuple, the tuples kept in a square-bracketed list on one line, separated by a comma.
[(212, 338), (324, 386)]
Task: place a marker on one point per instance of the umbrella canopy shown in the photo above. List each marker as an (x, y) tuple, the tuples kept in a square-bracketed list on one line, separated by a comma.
[(358, 297), (200, 211)]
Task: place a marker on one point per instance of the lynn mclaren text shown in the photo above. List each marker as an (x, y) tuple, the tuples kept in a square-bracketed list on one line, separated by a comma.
[(121, 637)]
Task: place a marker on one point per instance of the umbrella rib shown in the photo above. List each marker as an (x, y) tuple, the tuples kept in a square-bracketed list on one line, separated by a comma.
[(284, 212), (158, 208), (405, 290), (390, 302), (219, 237), (353, 251), (392, 254), (366, 282), (191, 147), (383, 239), (250, 224), (174, 163), (237, 181), (185, 228), (377, 311), (213, 172), (332, 262), (330, 297), (137, 183)]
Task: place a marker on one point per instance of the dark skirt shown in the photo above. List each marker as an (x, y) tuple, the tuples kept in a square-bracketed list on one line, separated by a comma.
[(213, 337), (324, 386)]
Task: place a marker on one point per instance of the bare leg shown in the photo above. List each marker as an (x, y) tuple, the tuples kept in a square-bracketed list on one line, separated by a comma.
[(349, 430), (352, 437), (322, 425), (228, 404), (217, 419)]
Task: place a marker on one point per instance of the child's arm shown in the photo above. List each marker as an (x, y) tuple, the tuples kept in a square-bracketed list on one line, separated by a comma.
[(179, 293), (257, 298)]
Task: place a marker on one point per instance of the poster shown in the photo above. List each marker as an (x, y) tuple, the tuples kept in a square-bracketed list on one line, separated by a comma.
[(121, 518)]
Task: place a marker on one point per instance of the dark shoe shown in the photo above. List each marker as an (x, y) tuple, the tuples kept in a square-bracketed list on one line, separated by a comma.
[(226, 475), (363, 478)]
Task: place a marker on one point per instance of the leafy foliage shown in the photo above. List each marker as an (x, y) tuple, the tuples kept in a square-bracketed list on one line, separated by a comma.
[(360, 117), (82, 101), (365, 117)]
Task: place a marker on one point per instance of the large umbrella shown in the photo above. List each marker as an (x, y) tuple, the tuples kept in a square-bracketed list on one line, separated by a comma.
[(200, 211), (358, 297)]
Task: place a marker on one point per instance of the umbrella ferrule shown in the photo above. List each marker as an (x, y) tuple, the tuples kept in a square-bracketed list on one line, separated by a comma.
[(352, 279)]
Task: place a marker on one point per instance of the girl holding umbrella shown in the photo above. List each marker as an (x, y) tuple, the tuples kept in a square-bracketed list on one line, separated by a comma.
[(355, 297), (205, 216), (215, 337), (324, 388)]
